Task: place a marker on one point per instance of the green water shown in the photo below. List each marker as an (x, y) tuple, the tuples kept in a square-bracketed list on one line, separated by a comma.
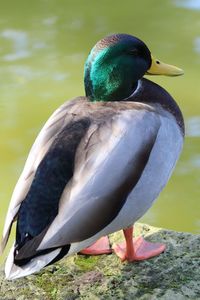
[(43, 46)]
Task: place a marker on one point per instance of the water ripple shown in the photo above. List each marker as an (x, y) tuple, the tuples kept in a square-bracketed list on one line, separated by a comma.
[(193, 127), (190, 4), (197, 44), (20, 44)]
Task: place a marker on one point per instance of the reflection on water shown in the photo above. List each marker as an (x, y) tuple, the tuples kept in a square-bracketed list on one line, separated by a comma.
[(193, 127), (191, 4), (42, 54), (197, 44), (19, 42), (50, 21)]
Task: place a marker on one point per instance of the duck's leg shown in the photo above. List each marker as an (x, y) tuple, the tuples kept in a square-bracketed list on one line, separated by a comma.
[(136, 249), (101, 246)]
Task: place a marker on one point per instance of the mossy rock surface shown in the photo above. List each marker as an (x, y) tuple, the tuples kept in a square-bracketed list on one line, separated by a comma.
[(174, 274)]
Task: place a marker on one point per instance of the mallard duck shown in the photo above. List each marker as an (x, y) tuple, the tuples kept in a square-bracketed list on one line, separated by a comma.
[(99, 162)]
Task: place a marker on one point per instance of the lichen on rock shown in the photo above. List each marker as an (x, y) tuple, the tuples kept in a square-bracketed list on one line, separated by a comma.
[(175, 274)]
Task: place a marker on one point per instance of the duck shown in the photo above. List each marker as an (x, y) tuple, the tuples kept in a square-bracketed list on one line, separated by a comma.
[(98, 164)]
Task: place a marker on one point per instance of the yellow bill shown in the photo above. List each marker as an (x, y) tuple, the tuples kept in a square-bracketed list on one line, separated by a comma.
[(160, 68)]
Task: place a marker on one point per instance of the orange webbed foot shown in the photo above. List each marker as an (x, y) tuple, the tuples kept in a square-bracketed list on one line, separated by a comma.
[(140, 250), (101, 246)]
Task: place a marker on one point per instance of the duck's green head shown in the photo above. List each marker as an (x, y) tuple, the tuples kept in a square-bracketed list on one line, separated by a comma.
[(116, 63)]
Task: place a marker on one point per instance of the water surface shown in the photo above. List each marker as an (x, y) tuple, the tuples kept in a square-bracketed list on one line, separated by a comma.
[(43, 46)]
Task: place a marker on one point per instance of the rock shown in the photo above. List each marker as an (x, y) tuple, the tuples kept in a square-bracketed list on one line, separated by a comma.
[(174, 274)]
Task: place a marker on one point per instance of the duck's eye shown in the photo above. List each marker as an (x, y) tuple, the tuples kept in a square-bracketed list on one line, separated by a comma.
[(157, 61)]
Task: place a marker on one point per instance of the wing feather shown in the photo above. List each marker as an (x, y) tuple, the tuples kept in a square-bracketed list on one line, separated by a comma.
[(109, 162), (63, 115)]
